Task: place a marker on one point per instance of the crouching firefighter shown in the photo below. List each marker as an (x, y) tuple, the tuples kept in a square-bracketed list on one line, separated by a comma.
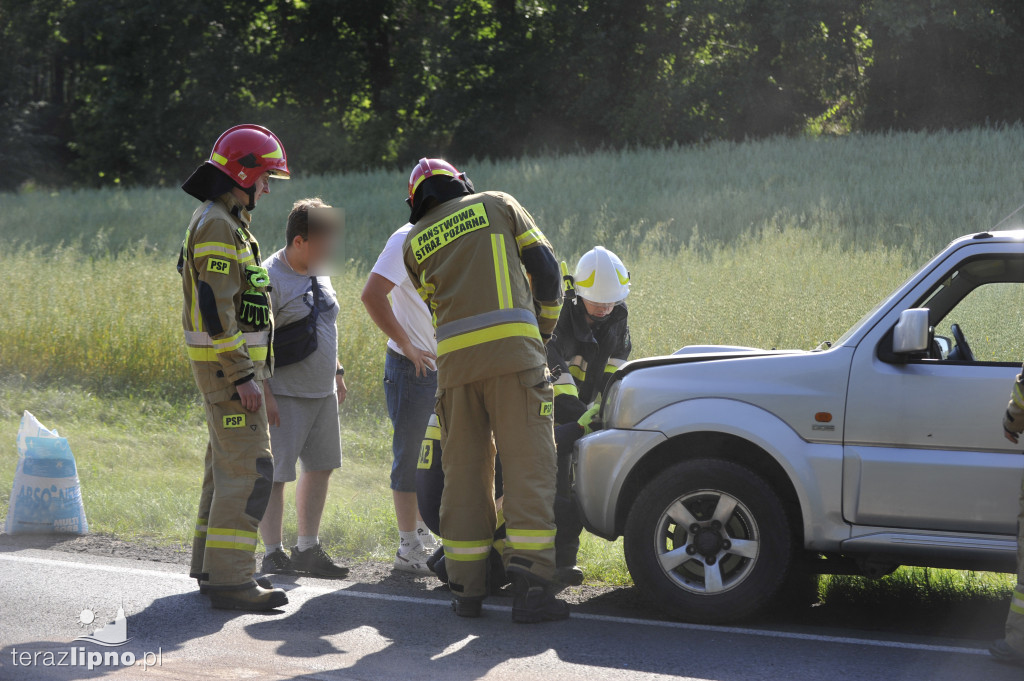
[(590, 343), (469, 254), (430, 485), (228, 327)]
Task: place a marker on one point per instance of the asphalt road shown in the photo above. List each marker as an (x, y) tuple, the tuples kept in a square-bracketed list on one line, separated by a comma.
[(344, 630)]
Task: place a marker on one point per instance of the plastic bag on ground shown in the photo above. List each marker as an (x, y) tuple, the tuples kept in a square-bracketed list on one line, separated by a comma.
[(46, 497)]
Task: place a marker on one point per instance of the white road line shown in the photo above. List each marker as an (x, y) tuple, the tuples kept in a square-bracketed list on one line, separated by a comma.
[(343, 589)]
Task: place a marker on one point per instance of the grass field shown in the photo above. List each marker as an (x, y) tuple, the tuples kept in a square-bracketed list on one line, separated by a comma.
[(778, 243)]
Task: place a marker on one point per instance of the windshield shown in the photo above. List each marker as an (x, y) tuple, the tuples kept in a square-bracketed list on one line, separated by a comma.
[(863, 320)]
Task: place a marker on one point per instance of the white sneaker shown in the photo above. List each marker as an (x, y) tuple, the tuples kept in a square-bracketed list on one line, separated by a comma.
[(427, 540), (414, 560)]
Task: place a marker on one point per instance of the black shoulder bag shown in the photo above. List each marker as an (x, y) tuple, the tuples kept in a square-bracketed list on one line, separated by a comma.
[(296, 341)]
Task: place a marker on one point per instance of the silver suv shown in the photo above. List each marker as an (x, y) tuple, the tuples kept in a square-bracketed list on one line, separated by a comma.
[(728, 470)]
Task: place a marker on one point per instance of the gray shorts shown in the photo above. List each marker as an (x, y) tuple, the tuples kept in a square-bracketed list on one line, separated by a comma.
[(309, 432)]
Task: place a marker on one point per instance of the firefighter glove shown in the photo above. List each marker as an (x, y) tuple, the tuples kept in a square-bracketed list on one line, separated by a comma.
[(590, 421)]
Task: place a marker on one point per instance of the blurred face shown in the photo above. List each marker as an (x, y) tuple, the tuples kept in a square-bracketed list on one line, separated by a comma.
[(598, 310), (314, 252), (311, 253)]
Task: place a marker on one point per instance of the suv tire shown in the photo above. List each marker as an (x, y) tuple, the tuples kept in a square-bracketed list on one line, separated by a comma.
[(708, 510)]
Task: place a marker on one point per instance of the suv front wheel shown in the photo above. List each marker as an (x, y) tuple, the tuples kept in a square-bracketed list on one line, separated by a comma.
[(708, 541)]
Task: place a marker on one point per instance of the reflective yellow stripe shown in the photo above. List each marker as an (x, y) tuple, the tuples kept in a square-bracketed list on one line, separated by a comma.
[(465, 557), (1018, 399), (256, 354), (197, 319), (550, 311), (207, 248), (218, 342), (229, 344), (521, 546), (218, 158), (433, 433), (578, 373), (530, 540), (566, 389), (488, 335), (501, 277), (466, 551), (528, 238), (470, 544), (201, 528), (226, 538)]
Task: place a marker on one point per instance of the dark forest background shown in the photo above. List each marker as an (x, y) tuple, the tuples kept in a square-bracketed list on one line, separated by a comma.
[(98, 92)]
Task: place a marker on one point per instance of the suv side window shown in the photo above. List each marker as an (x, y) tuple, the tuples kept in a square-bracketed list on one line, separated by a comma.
[(991, 318)]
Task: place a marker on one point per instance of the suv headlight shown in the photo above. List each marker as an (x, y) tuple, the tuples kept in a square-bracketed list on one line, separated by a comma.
[(610, 405)]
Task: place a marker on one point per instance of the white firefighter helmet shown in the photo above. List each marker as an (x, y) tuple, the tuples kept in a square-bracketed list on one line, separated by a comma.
[(601, 277)]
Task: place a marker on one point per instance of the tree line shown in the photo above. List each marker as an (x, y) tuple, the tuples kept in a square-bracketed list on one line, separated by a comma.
[(101, 92)]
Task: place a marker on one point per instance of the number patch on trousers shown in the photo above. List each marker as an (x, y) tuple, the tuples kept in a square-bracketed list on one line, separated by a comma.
[(217, 265), (426, 456), (234, 421), (546, 409)]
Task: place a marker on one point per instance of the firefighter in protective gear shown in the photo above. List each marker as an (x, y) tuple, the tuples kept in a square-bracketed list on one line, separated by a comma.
[(591, 342), (429, 489), (430, 486), (228, 326), (1011, 649), (470, 253)]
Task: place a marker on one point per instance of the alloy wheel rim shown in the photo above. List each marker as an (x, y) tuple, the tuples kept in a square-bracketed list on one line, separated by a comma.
[(707, 542)]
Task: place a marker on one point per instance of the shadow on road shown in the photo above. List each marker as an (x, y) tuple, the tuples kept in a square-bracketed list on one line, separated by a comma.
[(167, 625)]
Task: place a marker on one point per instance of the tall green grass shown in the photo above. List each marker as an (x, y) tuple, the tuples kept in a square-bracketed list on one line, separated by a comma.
[(916, 190), (112, 324)]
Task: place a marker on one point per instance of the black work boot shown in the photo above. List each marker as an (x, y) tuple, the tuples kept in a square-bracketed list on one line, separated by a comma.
[(533, 600), (438, 566), (277, 563), (255, 598), (570, 575), (468, 606), (316, 563), (261, 581), (497, 576)]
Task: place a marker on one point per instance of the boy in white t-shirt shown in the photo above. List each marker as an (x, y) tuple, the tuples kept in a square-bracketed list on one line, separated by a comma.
[(410, 385)]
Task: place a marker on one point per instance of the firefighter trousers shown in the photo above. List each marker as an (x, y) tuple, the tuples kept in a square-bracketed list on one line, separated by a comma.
[(1015, 618), (238, 476), (567, 515), (516, 410)]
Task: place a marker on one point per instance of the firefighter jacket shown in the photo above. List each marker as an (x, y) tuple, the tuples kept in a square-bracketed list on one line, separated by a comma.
[(567, 405), (592, 354), (467, 258), (218, 261)]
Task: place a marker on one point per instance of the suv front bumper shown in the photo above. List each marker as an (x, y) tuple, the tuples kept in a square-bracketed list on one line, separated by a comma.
[(600, 465)]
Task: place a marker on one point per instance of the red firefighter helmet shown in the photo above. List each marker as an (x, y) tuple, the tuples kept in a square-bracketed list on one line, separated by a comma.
[(245, 152), (431, 167)]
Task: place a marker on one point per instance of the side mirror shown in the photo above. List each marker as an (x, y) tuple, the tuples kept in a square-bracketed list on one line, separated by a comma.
[(911, 334)]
